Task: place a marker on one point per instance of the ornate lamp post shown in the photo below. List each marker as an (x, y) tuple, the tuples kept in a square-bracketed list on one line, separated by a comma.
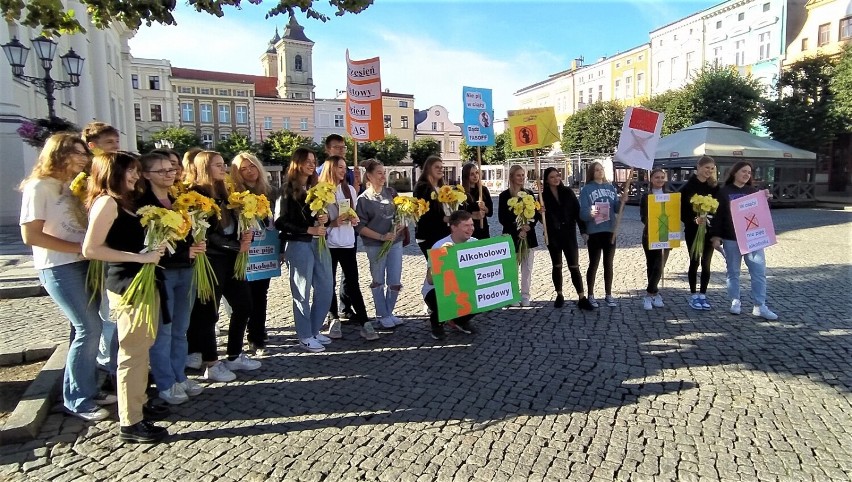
[(45, 48)]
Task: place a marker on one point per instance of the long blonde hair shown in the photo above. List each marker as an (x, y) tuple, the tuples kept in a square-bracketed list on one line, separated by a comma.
[(53, 158), (187, 162), (703, 161), (512, 170), (199, 175), (261, 186)]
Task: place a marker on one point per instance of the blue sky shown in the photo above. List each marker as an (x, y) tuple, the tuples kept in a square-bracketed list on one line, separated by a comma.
[(428, 49)]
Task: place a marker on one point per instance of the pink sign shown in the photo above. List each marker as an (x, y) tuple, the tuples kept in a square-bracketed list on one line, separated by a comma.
[(753, 222)]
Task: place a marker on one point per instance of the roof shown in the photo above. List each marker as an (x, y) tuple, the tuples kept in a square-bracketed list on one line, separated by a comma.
[(721, 140), (294, 31), (392, 94), (263, 86)]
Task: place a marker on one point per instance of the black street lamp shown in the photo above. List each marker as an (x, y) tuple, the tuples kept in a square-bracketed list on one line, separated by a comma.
[(45, 48)]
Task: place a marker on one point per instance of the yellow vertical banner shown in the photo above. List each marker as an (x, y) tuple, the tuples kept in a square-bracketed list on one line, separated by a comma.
[(664, 221), (533, 128)]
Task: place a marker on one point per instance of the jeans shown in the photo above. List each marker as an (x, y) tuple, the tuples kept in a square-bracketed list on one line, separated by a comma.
[(108, 344), (386, 277), (309, 270), (351, 296), (168, 354), (756, 264), (66, 284)]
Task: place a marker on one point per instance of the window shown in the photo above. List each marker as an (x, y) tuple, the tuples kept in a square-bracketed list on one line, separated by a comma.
[(629, 61), (241, 93), (156, 113), (689, 63), (223, 92), (718, 24), (617, 88), (660, 67), (185, 90), (628, 86), (403, 122), (740, 53), (297, 63), (267, 123), (187, 112), (674, 67), (242, 114), (388, 122), (206, 112), (154, 82), (618, 65), (434, 126), (590, 96), (845, 28), (824, 34), (207, 140), (285, 124), (600, 93), (223, 136), (137, 112), (763, 40), (403, 103), (297, 95), (452, 146), (804, 44), (134, 80), (338, 120), (741, 17), (641, 57), (640, 83), (717, 55), (766, 7), (224, 114), (205, 90), (303, 123)]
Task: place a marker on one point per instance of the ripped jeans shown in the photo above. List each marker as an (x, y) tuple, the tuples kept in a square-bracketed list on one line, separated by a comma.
[(386, 277)]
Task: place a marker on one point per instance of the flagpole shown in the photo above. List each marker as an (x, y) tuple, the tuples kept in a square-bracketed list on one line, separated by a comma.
[(479, 166), (356, 174)]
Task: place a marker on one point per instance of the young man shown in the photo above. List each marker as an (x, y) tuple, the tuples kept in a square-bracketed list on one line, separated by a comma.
[(101, 137), (461, 231)]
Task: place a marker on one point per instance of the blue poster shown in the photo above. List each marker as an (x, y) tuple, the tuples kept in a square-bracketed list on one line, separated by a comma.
[(263, 255), (478, 117)]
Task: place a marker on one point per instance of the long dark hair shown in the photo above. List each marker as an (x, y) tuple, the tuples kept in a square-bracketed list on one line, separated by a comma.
[(546, 192), (427, 166), (293, 188), (107, 178), (465, 176), (736, 167), (651, 174)]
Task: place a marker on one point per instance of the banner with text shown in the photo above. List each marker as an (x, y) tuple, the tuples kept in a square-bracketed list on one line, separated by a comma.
[(478, 117), (640, 134), (364, 116), (474, 277), (753, 222), (533, 128), (664, 221), (263, 255)]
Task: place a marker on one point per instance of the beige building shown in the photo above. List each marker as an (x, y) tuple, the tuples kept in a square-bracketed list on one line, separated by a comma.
[(289, 58), (631, 75), (154, 101), (434, 123), (557, 91), (330, 118), (274, 114), (824, 27), (398, 110)]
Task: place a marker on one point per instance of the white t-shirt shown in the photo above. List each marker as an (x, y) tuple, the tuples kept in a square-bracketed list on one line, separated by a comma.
[(64, 217), (427, 286), (343, 236)]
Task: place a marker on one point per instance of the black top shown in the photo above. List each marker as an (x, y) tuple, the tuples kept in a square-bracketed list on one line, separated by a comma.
[(125, 234), (480, 229), (722, 224), (295, 218), (691, 188), (563, 212), (220, 244), (431, 226), (180, 258), (507, 220)]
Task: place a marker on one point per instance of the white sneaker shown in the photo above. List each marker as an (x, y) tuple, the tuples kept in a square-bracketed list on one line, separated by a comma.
[(658, 301), (322, 339), (397, 321), (610, 301), (174, 395), (242, 362), (191, 387), (368, 332), (647, 303), (387, 322), (334, 329), (218, 372), (525, 301), (736, 307), (763, 311), (193, 360), (311, 344)]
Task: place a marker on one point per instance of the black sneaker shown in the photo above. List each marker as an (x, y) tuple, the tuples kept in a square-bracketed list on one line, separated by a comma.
[(585, 304), (465, 327), (155, 412), (560, 300), (438, 333), (347, 313), (143, 432)]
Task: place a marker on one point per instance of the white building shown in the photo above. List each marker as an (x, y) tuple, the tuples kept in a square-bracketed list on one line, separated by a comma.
[(329, 118), (677, 51), (435, 123), (104, 94), (154, 100), (593, 83)]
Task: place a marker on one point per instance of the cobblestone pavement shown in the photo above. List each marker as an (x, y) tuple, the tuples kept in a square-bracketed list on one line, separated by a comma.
[(538, 394)]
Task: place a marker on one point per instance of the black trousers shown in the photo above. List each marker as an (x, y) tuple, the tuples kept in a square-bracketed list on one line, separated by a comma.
[(705, 260), (600, 245), (432, 302), (201, 335), (655, 261), (564, 243), (345, 257), (257, 321)]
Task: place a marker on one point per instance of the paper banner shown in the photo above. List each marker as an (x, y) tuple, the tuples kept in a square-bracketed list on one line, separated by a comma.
[(753, 222), (664, 221), (478, 117), (640, 134), (263, 255), (364, 115), (533, 128), (475, 277)]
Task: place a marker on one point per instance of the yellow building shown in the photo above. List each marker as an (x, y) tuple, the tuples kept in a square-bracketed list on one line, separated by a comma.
[(398, 110), (825, 27), (631, 75)]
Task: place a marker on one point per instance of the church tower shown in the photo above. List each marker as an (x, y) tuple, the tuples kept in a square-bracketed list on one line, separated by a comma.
[(269, 59), (295, 63)]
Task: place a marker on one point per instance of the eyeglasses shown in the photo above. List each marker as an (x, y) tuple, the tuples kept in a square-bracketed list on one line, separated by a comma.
[(164, 172)]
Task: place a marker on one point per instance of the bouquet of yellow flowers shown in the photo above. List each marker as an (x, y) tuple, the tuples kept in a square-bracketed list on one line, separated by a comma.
[(451, 197), (80, 186), (408, 210), (178, 188), (253, 211), (95, 274), (320, 197), (162, 227), (524, 207), (704, 207), (199, 208)]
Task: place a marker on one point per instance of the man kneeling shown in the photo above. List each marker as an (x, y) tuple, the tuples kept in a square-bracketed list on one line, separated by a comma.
[(461, 231)]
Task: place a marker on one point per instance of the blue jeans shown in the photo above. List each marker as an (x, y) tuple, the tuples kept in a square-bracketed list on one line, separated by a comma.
[(756, 264), (386, 274), (66, 284), (108, 344), (309, 271), (168, 353)]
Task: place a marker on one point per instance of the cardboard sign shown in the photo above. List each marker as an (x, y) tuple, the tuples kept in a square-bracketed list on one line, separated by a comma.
[(533, 128), (478, 117), (664, 221), (364, 116), (640, 134), (753, 222), (474, 277), (264, 252)]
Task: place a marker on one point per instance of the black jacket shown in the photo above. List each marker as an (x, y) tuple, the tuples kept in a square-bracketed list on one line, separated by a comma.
[(691, 188), (562, 213), (431, 226), (480, 230), (723, 224), (180, 258), (295, 219), (507, 220), (220, 244)]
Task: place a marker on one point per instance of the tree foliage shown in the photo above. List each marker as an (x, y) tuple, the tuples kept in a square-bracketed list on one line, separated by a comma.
[(594, 129), (841, 87), (390, 150), (182, 139), (236, 143), (53, 18), (424, 147), (279, 146), (679, 110)]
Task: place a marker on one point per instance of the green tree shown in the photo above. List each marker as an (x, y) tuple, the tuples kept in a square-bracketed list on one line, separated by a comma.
[(841, 87), (53, 18), (677, 107), (500, 151), (236, 143), (390, 150), (279, 146), (722, 94), (424, 147), (802, 114), (181, 138), (594, 129), (143, 146)]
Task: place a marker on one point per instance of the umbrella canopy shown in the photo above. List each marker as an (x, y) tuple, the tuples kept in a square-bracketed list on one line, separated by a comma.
[(720, 140)]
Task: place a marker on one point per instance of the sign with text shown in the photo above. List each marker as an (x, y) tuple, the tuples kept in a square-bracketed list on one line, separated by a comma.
[(753, 222), (664, 221), (474, 277), (478, 117), (364, 116), (533, 128), (640, 134), (263, 255)]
